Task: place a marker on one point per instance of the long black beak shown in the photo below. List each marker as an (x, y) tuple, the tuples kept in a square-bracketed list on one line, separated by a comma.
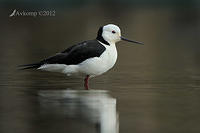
[(124, 39)]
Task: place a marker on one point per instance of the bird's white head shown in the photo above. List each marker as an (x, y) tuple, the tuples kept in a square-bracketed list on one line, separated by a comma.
[(110, 34)]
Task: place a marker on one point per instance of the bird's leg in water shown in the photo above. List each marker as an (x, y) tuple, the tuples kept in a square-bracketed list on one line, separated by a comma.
[(86, 82)]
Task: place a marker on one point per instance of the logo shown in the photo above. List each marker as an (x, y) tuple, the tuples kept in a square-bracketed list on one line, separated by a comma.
[(42, 13), (13, 13)]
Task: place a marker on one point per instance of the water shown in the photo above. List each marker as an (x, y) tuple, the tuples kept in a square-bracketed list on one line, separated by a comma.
[(153, 88)]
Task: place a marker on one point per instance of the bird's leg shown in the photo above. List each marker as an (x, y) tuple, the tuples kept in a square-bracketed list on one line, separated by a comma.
[(86, 82)]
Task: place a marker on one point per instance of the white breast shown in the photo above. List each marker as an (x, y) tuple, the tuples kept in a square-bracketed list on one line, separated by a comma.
[(99, 65)]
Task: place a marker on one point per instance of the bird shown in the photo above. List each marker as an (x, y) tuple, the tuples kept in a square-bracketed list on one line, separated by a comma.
[(89, 58)]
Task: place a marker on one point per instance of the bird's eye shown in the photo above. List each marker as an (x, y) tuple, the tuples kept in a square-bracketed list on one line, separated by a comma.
[(113, 32)]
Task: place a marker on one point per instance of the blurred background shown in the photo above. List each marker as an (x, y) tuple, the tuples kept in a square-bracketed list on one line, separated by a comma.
[(156, 86)]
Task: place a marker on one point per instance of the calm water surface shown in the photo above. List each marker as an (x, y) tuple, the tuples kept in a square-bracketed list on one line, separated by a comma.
[(153, 88)]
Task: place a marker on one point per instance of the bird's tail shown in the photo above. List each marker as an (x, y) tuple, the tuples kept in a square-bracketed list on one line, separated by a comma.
[(29, 66)]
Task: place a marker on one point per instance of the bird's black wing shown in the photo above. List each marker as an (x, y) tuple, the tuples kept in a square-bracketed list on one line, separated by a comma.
[(73, 55), (77, 53)]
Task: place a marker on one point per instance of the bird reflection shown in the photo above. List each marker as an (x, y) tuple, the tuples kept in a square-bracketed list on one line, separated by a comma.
[(94, 106)]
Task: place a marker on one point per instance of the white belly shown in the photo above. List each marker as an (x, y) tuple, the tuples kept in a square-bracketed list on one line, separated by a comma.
[(99, 65)]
